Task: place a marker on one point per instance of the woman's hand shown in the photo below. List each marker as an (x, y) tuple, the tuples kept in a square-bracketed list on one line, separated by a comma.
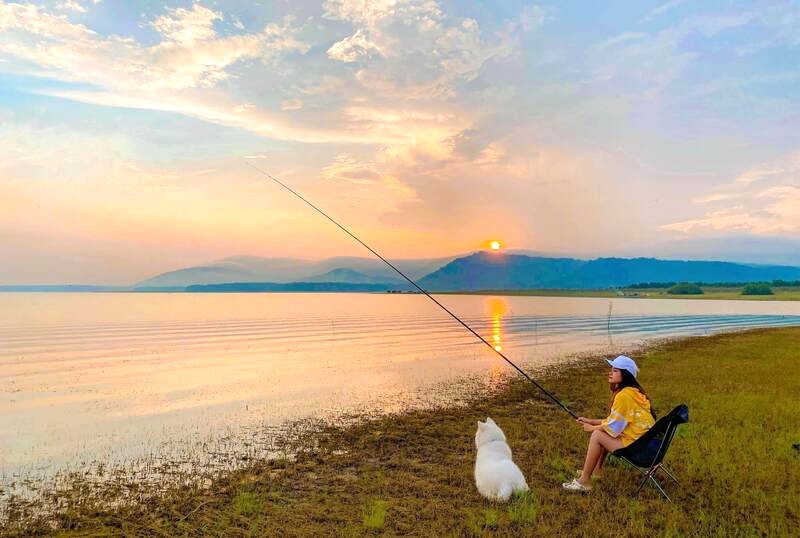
[(589, 424), (587, 427)]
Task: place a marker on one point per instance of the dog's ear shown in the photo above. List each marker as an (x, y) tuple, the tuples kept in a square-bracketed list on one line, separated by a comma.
[(489, 420), (481, 425)]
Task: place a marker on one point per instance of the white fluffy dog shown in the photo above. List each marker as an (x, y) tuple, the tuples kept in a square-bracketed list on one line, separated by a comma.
[(496, 475)]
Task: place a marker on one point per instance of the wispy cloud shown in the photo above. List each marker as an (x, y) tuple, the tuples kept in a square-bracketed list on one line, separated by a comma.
[(190, 56), (652, 61), (662, 9), (292, 104), (717, 197), (767, 202), (72, 5), (786, 168)]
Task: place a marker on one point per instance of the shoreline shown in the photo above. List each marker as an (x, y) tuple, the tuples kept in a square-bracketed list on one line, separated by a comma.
[(626, 293), (412, 471), (724, 294)]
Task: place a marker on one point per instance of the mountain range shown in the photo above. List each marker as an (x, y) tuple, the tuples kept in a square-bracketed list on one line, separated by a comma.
[(477, 271), (352, 270), (490, 271)]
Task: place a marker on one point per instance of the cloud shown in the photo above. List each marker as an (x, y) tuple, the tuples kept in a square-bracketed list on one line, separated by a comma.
[(734, 218), (648, 63), (768, 202), (182, 72), (72, 5), (291, 104), (780, 214), (186, 26), (662, 9), (371, 13), (532, 17), (190, 55), (718, 197), (411, 48), (354, 47), (625, 37), (786, 168), (244, 107), (357, 126), (534, 196), (781, 22)]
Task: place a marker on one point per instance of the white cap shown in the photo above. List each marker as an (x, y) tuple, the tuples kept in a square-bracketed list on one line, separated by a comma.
[(625, 363)]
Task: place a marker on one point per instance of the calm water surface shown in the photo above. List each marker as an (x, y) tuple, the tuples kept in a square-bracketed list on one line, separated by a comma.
[(118, 378)]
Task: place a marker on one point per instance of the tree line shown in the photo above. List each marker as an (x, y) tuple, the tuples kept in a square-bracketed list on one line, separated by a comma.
[(771, 283)]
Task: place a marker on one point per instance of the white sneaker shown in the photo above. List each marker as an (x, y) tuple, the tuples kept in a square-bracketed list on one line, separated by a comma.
[(576, 486)]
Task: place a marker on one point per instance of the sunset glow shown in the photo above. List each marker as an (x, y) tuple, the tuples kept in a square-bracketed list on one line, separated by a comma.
[(123, 144)]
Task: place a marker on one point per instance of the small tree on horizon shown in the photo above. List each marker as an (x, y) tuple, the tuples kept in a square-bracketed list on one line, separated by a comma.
[(757, 289), (685, 288)]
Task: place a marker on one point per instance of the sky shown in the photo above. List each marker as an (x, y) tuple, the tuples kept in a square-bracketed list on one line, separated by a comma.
[(669, 129)]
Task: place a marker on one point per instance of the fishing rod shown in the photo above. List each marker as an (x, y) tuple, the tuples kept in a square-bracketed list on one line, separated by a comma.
[(428, 295)]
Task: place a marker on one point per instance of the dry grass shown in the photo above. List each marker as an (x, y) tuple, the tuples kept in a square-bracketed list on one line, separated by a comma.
[(412, 474)]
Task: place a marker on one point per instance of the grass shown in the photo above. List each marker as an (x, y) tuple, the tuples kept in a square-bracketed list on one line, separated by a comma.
[(411, 474), (246, 503), (523, 509), (539, 292), (375, 514), (779, 294)]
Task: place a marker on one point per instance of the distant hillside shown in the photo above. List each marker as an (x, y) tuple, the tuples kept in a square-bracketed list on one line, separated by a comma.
[(234, 269), (283, 270), (287, 287), (353, 277), (488, 271)]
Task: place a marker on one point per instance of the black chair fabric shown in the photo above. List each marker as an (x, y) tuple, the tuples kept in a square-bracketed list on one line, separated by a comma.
[(650, 448)]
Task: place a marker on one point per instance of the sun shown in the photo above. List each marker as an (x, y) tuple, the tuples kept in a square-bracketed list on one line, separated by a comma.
[(495, 245)]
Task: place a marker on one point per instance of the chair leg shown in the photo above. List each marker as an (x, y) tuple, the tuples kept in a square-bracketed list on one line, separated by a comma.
[(664, 493), (650, 475), (647, 476), (669, 474)]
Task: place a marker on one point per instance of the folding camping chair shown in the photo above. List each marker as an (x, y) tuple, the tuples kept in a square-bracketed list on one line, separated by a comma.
[(646, 454)]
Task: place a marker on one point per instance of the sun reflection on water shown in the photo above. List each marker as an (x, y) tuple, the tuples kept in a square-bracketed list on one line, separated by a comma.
[(496, 307)]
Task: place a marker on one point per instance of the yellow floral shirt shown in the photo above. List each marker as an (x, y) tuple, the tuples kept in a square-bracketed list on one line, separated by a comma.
[(630, 416)]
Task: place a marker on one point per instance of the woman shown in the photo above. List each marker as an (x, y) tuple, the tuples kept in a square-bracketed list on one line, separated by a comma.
[(631, 416)]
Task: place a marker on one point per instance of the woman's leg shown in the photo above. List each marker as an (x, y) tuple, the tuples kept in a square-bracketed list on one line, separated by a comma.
[(599, 443), (600, 462)]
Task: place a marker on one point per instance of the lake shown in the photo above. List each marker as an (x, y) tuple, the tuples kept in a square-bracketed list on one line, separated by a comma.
[(120, 380)]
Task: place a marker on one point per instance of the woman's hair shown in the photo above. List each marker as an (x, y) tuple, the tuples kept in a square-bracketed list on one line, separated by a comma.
[(628, 380)]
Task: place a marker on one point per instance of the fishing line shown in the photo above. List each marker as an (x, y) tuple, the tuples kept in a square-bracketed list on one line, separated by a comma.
[(428, 295)]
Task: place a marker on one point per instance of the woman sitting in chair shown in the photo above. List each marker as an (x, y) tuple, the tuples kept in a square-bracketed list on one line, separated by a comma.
[(630, 417)]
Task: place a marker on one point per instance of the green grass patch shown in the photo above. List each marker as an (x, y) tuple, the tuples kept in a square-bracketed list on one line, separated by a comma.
[(523, 509), (246, 503), (562, 468), (375, 514), (486, 519)]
